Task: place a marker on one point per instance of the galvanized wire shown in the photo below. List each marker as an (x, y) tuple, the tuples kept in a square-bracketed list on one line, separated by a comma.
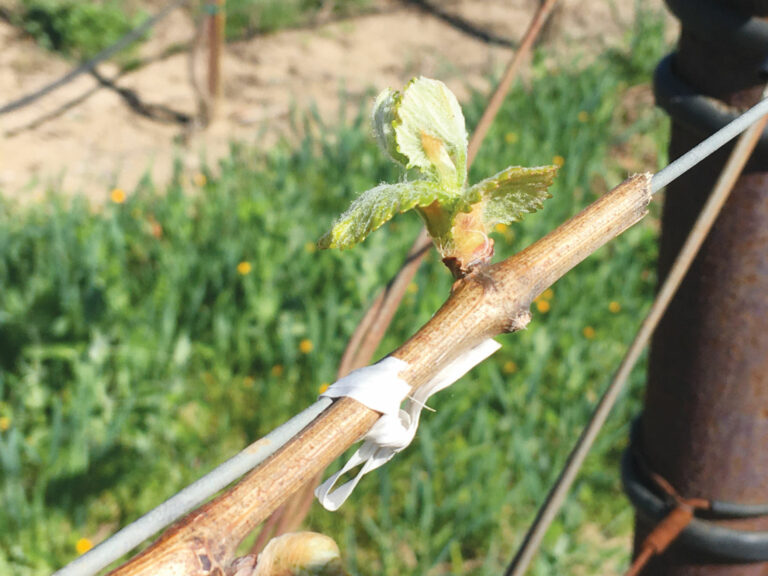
[(708, 146), (190, 497)]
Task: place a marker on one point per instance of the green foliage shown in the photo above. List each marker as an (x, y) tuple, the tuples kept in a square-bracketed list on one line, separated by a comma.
[(646, 42), (374, 207), (74, 28), (136, 352), (248, 17), (81, 29), (427, 131), (513, 192)]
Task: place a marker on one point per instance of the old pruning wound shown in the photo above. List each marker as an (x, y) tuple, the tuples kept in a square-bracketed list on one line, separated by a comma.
[(422, 128)]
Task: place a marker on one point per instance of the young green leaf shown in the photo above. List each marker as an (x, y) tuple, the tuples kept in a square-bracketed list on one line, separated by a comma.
[(383, 119), (430, 131), (513, 192), (377, 205), (423, 128)]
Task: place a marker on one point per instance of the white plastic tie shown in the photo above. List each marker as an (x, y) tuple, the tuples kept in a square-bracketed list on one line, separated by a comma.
[(380, 388)]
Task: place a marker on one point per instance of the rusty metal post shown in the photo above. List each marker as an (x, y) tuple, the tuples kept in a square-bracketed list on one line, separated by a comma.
[(705, 424)]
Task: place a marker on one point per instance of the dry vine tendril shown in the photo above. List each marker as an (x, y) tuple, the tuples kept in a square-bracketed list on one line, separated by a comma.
[(422, 128)]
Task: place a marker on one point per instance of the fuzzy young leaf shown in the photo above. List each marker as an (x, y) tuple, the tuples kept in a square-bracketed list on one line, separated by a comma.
[(377, 205), (423, 128), (513, 192), (431, 131), (383, 119)]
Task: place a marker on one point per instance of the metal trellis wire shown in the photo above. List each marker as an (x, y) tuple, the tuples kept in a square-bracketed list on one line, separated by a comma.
[(190, 497)]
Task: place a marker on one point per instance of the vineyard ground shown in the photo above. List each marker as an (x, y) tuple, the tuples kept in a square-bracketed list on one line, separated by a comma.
[(103, 142)]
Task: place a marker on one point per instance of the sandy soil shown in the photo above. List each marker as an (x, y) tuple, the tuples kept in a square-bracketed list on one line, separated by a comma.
[(102, 141)]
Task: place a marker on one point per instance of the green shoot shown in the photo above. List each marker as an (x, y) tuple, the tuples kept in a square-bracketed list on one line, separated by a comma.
[(422, 128)]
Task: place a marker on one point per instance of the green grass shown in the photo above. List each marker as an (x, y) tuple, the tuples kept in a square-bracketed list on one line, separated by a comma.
[(134, 357), (73, 28), (82, 29), (246, 18)]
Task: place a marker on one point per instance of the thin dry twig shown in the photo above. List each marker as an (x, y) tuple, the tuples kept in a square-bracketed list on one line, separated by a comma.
[(492, 301), (698, 234), (494, 104), (203, 103), (216, 23)]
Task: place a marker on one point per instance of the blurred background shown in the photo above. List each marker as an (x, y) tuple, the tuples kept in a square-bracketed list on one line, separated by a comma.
[(162, 303)]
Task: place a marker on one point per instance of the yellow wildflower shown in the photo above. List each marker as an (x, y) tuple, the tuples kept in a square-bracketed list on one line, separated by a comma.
[(305, 346), (412, 288), (83, 545), (117, 195), (501, 228), (310, 247), (614, 307), (5, 423), (277, 370), (199, 179), (510, 137), (244, 268), (583, 116), (542, 300), (509, 367), (588, 332), (322, 388), (558, 160)]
